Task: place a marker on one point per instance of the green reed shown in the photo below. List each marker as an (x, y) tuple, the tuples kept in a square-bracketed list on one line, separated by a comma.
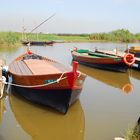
[(9, 38)]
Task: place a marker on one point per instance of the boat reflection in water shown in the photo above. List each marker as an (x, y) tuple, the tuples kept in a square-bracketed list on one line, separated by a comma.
[(114, 79), (135, 74), (46, 124), (2, 109)]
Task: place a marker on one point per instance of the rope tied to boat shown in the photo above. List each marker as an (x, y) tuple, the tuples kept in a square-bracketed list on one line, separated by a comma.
[(3, 80)]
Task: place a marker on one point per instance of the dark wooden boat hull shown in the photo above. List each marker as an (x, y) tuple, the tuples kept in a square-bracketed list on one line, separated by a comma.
[(38, 43), (55, 98), (121, 67)]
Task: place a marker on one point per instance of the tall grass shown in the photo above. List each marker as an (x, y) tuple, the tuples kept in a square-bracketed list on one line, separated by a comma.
[(56, 37), (9, 38), (121, 35)]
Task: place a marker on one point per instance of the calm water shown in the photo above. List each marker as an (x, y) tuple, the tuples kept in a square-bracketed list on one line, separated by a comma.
[(109, 104)]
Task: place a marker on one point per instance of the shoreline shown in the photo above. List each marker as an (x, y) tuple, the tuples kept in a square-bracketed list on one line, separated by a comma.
[(118, 36)]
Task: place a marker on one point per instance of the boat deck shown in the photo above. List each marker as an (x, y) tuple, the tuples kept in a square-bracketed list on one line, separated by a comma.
[(94, 54), (119, 53), (41, 67), (87, 55), (35, 67), (97, 55)]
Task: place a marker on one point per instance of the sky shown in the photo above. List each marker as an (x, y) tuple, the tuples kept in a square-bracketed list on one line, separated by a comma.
[(71, 16)]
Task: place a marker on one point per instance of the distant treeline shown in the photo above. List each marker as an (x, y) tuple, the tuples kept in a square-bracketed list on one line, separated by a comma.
[(121, 35)]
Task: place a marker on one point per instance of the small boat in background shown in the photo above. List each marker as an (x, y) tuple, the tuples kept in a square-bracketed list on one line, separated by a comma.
[(103, 61), (134, 50), (45, 81), (37, 43), (29, 42)]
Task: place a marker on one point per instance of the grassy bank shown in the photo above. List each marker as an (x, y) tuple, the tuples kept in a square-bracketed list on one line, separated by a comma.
[(59, 37), (121, 35)]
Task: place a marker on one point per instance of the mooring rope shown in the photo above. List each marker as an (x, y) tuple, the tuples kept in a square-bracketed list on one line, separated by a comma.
[(56, 81), (27, 86)]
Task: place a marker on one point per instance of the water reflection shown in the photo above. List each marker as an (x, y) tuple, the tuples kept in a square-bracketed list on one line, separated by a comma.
[(8, 53), (135, 74), (6, 49), (41, 123), (2, 109), (114, 79)]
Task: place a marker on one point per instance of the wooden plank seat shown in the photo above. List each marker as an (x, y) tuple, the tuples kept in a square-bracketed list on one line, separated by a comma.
[(19, 67), (41, 67), (59, 66)]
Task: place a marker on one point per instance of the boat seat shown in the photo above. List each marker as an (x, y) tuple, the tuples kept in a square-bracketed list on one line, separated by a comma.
[(19, 67), (40, 67)]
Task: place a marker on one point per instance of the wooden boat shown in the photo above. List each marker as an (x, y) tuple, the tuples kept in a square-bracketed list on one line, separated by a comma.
[(103, 61), (109, 78), (134, 50), (37, 43), (47, 125), (46, 81)]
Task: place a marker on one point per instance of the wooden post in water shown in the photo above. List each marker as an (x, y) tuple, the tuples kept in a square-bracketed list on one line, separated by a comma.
[(1, 82), (127, 48), (1, 63)]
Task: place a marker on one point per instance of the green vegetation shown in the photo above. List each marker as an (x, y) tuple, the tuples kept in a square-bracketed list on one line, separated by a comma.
[(133, 133), (121, 35), (59, 37), (9, 38)]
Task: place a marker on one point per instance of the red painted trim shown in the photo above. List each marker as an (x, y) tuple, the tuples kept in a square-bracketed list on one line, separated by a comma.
[(72, 76)]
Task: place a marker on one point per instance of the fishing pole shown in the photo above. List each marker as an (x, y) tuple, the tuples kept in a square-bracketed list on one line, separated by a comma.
[(41, 23)]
